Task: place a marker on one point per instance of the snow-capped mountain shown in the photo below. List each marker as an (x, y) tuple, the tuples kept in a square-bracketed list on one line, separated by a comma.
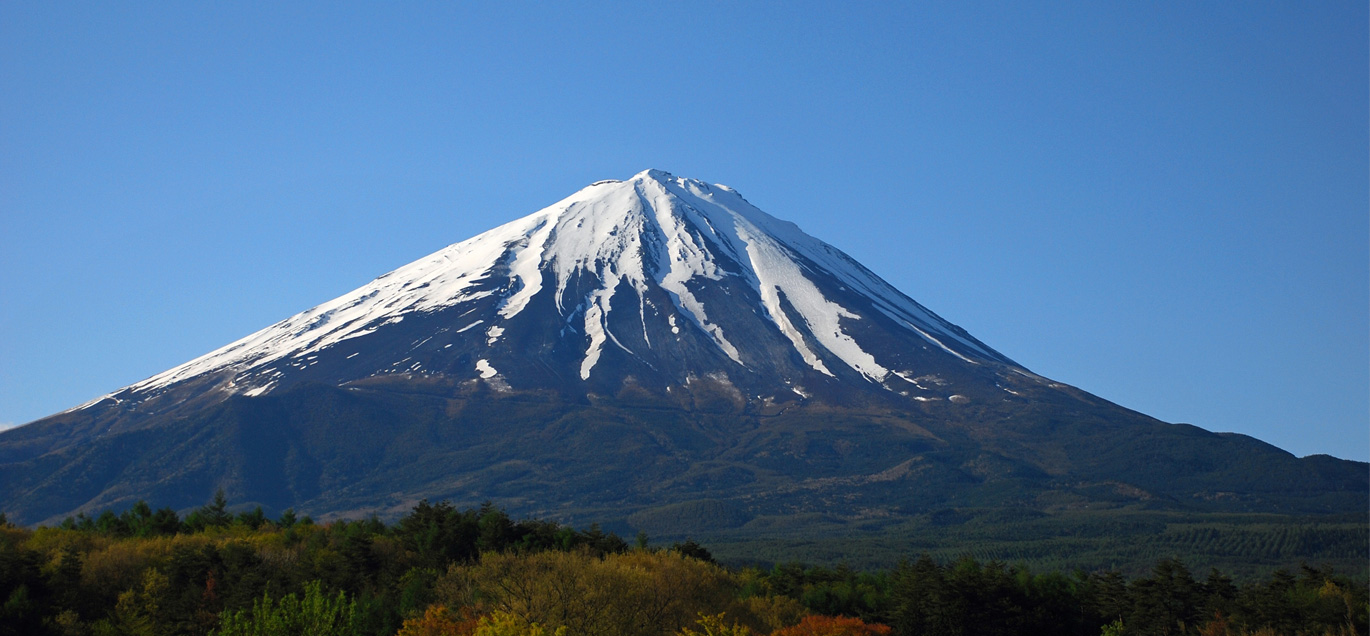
[(640, 353), (656, 281)]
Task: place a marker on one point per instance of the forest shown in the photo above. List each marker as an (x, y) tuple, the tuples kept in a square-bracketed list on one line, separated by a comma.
[(444, 571)]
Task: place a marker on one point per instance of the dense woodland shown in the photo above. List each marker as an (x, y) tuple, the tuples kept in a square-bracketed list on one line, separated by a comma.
[(440, 570)]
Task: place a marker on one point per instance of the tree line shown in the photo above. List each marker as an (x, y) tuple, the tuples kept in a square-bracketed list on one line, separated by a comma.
[(440, 570)]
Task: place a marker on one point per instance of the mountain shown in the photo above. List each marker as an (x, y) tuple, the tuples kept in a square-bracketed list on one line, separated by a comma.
[(657, 281), (647, 352)]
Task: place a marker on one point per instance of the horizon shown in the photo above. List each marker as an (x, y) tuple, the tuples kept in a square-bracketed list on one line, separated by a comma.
[(1166, 208)]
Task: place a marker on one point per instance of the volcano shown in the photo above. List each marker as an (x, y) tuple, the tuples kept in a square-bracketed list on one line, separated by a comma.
[(647, 349), (655, 282)]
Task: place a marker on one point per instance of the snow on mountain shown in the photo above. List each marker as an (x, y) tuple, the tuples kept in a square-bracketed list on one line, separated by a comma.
[(614, 248), (638, 347)]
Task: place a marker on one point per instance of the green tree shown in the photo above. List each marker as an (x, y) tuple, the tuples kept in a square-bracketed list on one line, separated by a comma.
[(111, 524), (439, 534), (317, 614), (215, 514), (138, 519), (22, 588), (165, 522), (918, 599), (496, 529), (690, 549), (1165, 602), (253, 519)]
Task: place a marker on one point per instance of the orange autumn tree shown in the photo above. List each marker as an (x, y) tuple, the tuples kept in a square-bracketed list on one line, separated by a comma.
[(814, 625), (437, 620)]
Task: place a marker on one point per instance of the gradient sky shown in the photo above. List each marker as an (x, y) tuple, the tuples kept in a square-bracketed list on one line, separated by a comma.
[(1165, 204)]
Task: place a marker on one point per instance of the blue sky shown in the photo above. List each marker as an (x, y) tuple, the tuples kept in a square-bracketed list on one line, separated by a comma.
[(1164, 204)]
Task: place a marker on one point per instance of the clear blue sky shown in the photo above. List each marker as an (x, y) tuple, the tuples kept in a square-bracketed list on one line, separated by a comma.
[(1166, 204)]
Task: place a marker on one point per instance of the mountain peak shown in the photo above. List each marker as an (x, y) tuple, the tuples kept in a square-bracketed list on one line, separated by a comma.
[(653, 174), (654, 280)]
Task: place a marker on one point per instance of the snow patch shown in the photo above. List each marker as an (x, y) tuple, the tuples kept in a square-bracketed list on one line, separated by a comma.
[(937, 342), (486, 371), (526, 270)]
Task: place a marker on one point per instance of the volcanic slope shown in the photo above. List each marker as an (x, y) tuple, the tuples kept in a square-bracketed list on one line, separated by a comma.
[(639, 346)]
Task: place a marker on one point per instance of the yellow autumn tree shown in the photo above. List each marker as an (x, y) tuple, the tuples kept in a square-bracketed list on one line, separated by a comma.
[(628, 594), (506, 624), (715, 625)]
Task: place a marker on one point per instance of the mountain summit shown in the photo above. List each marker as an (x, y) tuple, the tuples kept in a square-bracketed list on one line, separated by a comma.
[(658, 354), (656, 281)]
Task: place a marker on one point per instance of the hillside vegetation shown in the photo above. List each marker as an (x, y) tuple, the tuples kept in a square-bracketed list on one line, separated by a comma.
[(440, 570)]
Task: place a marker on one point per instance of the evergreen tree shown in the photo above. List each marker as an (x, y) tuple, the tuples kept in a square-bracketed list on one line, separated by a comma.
[(211, 515)]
